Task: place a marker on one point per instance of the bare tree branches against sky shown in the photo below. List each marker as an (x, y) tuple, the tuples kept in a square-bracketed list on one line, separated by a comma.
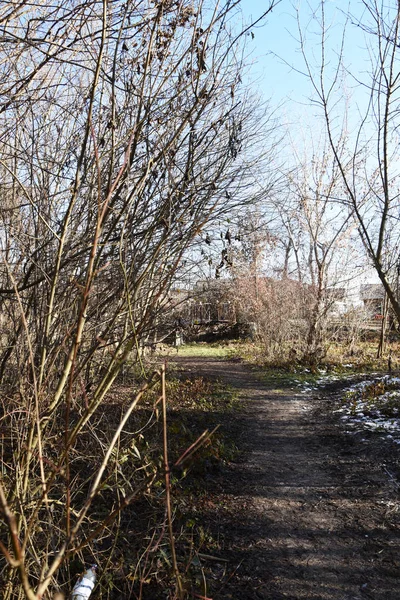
[(278, 65)]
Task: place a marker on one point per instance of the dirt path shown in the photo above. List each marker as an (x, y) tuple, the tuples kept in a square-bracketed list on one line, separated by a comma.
[(309, 512)]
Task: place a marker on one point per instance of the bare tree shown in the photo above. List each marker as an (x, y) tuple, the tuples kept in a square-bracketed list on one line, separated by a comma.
[(295, 250), (365, 140), (320, 236)]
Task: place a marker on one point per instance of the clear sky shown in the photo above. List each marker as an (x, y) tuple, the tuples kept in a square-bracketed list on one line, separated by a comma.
[(276, 59), (275, 47), (273, 43)]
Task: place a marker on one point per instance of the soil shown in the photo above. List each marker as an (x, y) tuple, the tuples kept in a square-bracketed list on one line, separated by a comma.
[(309, 510)]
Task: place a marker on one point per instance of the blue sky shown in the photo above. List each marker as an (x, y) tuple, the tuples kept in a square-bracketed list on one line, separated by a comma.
[(275, 47), (273, 39)]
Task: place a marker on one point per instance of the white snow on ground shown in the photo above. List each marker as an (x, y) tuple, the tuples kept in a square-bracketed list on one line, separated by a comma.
[(322, 379), (371, 405), (374, 405)]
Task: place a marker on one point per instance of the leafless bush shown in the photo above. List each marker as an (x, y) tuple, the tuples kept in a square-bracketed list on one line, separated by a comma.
[(122, 127)]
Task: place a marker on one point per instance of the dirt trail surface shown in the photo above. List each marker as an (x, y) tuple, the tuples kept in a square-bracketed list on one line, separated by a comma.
[(309, 511)]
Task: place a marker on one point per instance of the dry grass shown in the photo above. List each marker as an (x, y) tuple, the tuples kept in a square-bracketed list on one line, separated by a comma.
[(133, 549)]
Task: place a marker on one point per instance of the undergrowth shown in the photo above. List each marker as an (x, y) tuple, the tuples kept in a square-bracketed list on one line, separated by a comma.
[(284, 367), (285, 363), (379, 397), (135, 561)]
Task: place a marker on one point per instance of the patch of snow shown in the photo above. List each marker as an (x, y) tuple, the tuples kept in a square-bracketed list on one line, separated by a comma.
[(372, 404)]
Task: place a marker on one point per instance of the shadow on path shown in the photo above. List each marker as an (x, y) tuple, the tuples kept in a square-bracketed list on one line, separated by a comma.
[(307, 513)]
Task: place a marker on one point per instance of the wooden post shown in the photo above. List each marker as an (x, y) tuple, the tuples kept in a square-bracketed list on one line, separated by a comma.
[(382, 338), (178, 581)]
